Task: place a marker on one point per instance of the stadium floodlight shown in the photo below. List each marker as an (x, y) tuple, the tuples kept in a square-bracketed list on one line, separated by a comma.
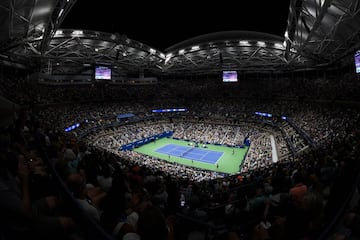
[(152, 51), (244, 42), (195, 48), (261, 43), (59, 32), (279, 45), (77, 32)]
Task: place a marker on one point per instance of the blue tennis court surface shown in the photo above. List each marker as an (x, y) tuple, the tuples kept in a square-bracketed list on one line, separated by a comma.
[(193, 153)]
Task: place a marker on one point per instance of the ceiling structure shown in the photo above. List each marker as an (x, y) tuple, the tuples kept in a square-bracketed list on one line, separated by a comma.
[(319, 33), (27, 26), (323, 30)]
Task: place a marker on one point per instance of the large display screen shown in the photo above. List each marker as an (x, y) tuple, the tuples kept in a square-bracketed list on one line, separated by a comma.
[(357, 61), (102, 72), (229, 76)]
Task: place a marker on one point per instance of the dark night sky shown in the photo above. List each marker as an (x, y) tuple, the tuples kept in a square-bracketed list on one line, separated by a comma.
[(162, 25)]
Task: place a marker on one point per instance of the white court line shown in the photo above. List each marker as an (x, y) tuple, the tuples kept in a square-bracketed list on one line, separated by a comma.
[(204, 155), (222, 153), (195, 153), (174, 148), (168, 151)]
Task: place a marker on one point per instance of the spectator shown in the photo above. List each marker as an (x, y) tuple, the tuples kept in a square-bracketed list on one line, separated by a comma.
[(20, 217), (89, 198)]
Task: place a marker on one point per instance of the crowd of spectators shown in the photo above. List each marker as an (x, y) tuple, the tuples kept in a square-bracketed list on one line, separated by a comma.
[(270, 183), (334, 86), (47, 175)]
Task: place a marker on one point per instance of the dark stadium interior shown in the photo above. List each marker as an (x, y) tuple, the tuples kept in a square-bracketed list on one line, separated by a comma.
[(109, 118)]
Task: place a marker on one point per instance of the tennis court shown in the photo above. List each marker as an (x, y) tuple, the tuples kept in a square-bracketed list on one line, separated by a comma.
[(214, 157), (192, 153)]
